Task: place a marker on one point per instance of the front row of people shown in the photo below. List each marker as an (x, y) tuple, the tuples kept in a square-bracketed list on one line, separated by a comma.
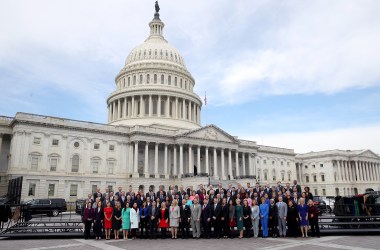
[(280, 218)]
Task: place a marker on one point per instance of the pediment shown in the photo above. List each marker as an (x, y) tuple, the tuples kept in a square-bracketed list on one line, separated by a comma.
[(211, 132), (369, 153)]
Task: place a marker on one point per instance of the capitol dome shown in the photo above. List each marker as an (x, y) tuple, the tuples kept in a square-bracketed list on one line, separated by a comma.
[(154, 88)]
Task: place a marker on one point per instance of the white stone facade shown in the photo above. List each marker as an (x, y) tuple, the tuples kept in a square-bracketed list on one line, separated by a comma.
[(154, 137)]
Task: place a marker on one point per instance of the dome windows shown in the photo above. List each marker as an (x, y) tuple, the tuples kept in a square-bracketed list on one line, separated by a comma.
[(169, 80), (141, 79), (134, 80), (147, 78), (162, 79), (175, 81), (155, 78)]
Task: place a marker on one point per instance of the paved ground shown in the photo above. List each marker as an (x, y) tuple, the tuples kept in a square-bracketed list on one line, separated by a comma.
[(327, 242)]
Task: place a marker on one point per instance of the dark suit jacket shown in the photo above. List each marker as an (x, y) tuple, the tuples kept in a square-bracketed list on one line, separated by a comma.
[(98, 216), (216, 211), (206, 212), (224, 212), (184, 213)]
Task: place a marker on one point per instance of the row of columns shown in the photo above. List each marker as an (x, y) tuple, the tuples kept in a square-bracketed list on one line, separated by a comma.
[(134, 106), (233, 155), (348, 171)]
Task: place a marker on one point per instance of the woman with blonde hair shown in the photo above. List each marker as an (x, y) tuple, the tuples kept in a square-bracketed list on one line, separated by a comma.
[(303, 216), (239, 218), (174, 215)]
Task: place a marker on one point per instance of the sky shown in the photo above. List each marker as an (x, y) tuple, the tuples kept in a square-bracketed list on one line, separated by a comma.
[(299, 74)]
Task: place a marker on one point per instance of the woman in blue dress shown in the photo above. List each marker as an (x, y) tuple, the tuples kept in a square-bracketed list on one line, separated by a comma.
[(126, 220), (303, 215), (264, 212), (239, 218)]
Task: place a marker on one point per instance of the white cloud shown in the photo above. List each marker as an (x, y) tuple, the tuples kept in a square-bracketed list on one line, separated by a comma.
[(364, 137)]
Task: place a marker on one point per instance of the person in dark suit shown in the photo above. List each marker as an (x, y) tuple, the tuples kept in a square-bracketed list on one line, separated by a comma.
[(273, 218), (185, 214), (216, 210), (98, 194), (88, 216), (153, 214), (98, 220), (297, 186), (206, 218), (224, 218)]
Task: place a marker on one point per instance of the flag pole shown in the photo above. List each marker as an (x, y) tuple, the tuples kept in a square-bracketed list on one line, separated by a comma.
[(205, 101)]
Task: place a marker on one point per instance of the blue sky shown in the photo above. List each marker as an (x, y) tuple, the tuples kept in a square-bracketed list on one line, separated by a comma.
[(295, 74)]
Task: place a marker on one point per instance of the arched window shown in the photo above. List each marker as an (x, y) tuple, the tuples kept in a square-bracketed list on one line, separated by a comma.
[(169, 80), (129, 81), (148, 78), (134, 80), (75, 164), (162, 79), (180, 83), (175, 81), (141, 79), (155, 78)]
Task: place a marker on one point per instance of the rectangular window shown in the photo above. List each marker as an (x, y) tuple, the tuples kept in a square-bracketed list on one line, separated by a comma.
[(110, 188), (94, 188), (55, 142), (305, 166), (95, 167), (321, 165), (287, 163), (265, 161), (265, 176), (258, 161), (315, 191), (274, 178), (75, 164), (112, 147), (37, 140), (34, 163), (73, 189), (323, 192), (32, 189), (282, 163), (272, 162), (96, 146), (282, 176), (111, 166), (313, 166), (169, 80), (323, 177), (53, 164), (315, 178), (51, 190), (289, 177), (307, 178)]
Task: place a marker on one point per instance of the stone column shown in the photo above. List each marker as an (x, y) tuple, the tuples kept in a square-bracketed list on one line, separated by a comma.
[(377, 171), (1, 143), (133, 109), (176, 108), (183, 109), (206, 161), (113, 110), (237, 164), (125, 108), (338, 170), (146, 162), (168, 107), (230, 172), (180, 160), (357, 171), (223, 175), (142, 106), (190, 110), (215, 165), (243, 159), (250, 170), (199, 159), (191, 165), (135, 160), (174, 160), (166, 161), (150, 105), (118, 109), (366, 171), (156, 175), (109, 112), (349, 170), (362, 171), (159, 106)]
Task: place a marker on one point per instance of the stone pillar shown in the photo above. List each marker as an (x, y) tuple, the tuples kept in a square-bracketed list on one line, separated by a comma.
[(156, 175), (349, 171), (1, 143), (174, 160), (166, 162), (223, 175), (133, 107), (109, 112), (199, 159), (146, 162), (150, 105), (362, 171), (377, 171), (206, 161), (190, 110), (136, 160), (346, 171), (251, 171), (191, 165), (113, 110), (183, 109), (141, 106), (230, 172), (356, 171), (125, 108), (168, 107), (243, 159), (176, 108), (215, 165), (366, 171), (118, 109), (180, 160), (159, 106), (237, 164)]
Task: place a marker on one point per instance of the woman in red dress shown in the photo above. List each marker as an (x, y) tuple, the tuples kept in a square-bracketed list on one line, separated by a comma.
[(108, 211), (163, 219)]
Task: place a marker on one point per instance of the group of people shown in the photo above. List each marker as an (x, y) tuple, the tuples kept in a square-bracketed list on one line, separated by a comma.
[(215, 212)]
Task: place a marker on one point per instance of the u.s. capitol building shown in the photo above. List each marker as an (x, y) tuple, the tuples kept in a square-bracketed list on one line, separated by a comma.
[(154, 137)]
